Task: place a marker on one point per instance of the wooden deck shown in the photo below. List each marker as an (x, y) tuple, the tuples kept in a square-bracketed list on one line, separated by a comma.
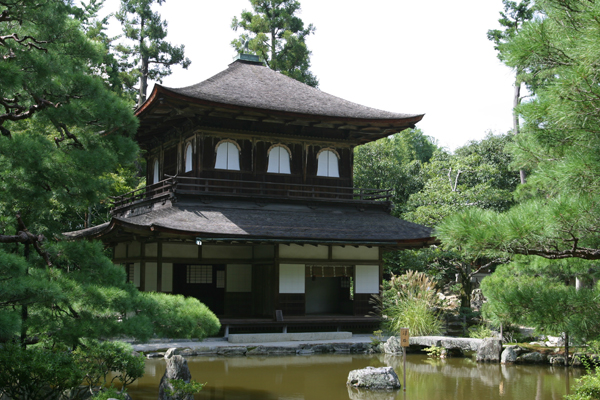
[(334, 322)]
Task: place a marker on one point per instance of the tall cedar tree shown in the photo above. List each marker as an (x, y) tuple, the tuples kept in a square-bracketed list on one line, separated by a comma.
[(150, 57), (64, 135), (559, 208), (274, 33), (512, 19)]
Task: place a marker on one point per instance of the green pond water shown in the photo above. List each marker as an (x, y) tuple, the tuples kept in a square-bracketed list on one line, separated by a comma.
[(324, 377)]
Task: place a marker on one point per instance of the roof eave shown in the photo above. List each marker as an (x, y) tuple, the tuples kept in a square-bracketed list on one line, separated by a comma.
[(383, 123)]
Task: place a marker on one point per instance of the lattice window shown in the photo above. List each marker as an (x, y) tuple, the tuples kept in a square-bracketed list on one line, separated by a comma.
[(199, 274)]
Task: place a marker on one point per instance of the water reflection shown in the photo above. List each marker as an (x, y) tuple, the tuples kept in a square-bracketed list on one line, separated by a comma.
[(324, 377)]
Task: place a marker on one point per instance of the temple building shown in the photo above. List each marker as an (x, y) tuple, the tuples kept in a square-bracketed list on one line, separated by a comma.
[(250, 205)]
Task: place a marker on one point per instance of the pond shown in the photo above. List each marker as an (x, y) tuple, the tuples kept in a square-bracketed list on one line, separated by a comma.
[(324, 377)]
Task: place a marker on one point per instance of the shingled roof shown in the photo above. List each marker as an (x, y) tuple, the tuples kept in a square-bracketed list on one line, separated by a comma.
[(251, 91), (251, 85), (273, 222)]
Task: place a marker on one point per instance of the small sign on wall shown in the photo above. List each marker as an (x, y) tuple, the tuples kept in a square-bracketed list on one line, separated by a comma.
[(404, 337)]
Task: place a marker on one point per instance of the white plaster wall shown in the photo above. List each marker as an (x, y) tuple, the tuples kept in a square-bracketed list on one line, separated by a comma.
[(229, 252), (180, 250), (151, 250), (355, 253), (367, 279), (239, 278), (303, 252), (151, 277), (291, 278), (121, 250), (167, 277)]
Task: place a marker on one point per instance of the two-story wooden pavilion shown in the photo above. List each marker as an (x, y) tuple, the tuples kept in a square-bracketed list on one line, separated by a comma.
[(250, 205)]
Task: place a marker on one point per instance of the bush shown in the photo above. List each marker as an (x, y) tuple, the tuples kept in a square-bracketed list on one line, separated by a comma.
[(98, 359), (480, 332), (178, 316), (587, 387), (37, 373), (409, 301)]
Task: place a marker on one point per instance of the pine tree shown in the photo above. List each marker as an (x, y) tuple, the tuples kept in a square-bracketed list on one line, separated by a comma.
[(558, 211), (150, 57), (64, 136), (278, 36)]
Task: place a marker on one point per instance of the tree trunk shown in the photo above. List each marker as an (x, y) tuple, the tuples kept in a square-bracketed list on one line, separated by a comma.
[(24, 310), (143, 81), (516, 101)]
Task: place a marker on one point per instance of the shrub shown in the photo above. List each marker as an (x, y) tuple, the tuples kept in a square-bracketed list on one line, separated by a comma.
[(178, 316), (481, 331), (587, 387), (409, 301), (98, 359)]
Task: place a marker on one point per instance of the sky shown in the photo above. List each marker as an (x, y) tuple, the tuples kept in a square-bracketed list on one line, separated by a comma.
[(427, 57)]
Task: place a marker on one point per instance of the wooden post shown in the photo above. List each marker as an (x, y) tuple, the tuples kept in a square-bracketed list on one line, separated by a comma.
[(404, 342)]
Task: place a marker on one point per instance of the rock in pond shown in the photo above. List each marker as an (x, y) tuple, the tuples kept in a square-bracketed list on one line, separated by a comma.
[(489, 350), (510, 354), (374, 378), (177, 368), (392, 346), (531, 358)]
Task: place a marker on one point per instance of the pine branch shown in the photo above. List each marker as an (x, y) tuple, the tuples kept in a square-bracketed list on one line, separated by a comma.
[(26, 237)]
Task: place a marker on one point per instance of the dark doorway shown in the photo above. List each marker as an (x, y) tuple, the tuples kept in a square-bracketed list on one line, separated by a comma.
[(204, 282)]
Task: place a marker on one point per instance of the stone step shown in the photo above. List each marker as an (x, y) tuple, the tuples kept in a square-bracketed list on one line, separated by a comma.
[(286, 337)]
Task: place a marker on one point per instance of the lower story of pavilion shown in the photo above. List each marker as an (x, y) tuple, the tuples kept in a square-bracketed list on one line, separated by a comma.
[(265, 285)]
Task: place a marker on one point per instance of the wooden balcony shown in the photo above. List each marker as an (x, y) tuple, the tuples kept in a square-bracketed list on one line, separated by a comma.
[(172, 186)]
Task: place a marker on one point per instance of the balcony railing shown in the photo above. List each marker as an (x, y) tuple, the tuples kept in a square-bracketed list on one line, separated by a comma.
[(250, 189)]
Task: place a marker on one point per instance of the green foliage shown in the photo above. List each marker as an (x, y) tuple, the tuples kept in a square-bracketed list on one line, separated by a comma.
[(377, 338), (37, 373), (480, 331), (558, 214), (182, 389), (533, 292), (64, 138), (98, 359), (110, 393), (394, 162), (277, 36), (587, 387), (476, 176), (178, 316), (150, 56), (434, 351), (408, 301)]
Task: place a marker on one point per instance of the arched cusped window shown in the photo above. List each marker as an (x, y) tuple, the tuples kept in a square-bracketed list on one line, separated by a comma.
[(188, 157), (155, 172), (327, 163), (279, 160), (228, 155)]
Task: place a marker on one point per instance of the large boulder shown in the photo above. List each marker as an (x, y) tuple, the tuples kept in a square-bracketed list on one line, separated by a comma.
[(392, 346), (510, 354), (532, 358), (489, 350), (177, 368), (374, 378)]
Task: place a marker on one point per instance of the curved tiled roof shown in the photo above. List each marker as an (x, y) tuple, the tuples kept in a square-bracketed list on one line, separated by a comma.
[(256, 86)]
